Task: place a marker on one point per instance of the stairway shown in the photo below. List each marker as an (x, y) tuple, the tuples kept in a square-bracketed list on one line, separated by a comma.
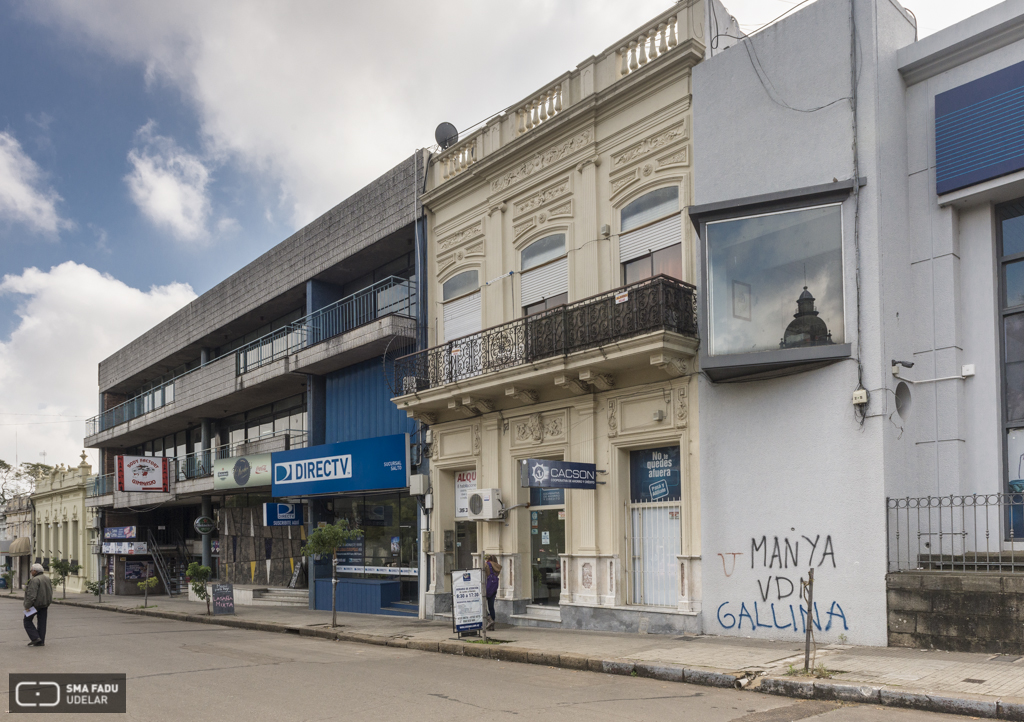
[(281, 597), (539, 615)]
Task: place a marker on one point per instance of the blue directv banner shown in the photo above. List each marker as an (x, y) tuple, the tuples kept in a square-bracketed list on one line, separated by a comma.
[(364, 465), (275, 514), (548, 474)]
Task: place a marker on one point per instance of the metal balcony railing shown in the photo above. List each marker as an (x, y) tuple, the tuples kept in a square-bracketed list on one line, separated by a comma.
[(655, 304), (134, 407), (970, 533), (100, 485), (200, 463), (392, 296)]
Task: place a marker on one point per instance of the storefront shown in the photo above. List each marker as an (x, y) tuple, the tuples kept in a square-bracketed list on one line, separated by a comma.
[(364, 482)]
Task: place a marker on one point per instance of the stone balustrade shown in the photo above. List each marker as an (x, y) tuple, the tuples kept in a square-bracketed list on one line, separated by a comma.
[(459, 157), (648, 46), (539, 110)]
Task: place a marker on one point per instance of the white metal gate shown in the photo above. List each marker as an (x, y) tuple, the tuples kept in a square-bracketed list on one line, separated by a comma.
[(654, 533)]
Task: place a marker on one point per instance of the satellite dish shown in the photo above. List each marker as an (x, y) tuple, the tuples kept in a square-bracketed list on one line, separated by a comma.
[(446, 135)]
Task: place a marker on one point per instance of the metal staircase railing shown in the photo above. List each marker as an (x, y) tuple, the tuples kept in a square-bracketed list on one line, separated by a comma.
[(170, 582)]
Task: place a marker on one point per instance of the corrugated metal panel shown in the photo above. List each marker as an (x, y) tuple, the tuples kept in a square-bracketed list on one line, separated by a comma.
[(549, 280), (978, 130), (462, 316), (651, 238), (359, 403)]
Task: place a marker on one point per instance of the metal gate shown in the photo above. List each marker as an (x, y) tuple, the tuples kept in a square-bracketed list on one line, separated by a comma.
[(654, 536)]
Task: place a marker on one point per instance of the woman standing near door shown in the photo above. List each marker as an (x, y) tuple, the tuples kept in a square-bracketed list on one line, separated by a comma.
[(492, 569)]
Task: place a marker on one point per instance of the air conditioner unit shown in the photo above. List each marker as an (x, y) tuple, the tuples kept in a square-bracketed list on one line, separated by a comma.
[(485, 504)]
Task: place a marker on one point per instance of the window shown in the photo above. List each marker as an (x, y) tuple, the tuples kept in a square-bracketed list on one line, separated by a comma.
[(544, 281), (775, 281), (1010, 231), (461, 295), (650, 242)]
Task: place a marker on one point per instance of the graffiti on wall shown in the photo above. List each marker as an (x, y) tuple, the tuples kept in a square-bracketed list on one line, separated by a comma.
[(776, 600)]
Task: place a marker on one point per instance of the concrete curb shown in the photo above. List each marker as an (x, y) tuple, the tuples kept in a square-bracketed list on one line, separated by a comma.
[(782, 686)]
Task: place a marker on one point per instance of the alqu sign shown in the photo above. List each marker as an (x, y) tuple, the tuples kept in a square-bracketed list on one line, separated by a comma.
[(549, 474)]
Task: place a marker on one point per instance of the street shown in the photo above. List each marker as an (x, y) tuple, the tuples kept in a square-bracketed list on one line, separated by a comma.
[(182, 670)]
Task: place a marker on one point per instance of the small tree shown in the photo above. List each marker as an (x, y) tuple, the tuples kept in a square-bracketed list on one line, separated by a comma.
[(146, 585), (198, 574), (9, 580), (96, 589), (61, 569), (324, 541)]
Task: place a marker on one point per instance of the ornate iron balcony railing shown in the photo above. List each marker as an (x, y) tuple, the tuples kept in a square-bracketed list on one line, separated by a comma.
[(656, 304)]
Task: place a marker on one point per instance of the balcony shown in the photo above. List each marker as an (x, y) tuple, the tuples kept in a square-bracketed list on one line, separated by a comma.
[(646, 328)]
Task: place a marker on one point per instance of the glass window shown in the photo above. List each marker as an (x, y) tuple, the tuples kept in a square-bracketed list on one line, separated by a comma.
[(460, 285), (667, 261), (546, 304), (775, 281), (542, 251), (650, 207), (1014, 276)]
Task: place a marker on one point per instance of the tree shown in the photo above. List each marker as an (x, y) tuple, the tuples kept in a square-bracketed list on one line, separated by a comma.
[(60, 570), (145, 586), (324, 541), (96, 589), (198, 575), (33, 473), (9, 580), (13, 482)]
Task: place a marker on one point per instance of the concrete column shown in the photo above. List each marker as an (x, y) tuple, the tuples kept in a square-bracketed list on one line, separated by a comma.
[(490, 477), (204, 356), (583, 514), (586, 262), (206, 441), (207, 510)]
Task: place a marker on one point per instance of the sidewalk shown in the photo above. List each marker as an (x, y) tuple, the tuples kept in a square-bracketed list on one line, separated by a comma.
[(981, 685)]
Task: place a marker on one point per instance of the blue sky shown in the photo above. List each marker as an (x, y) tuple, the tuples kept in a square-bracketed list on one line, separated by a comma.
[(149, 150)]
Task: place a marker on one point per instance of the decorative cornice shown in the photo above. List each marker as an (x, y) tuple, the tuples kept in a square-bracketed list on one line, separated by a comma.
[(523, 227), (477, 229), (543, 160), (679, 157), (651, 144), (540, 198)]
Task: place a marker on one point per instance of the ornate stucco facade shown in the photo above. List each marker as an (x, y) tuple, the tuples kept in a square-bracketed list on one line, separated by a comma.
[(64, 526), (567, 163)]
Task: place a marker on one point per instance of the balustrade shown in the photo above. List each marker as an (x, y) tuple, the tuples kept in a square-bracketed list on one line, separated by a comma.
[(539, 110), (459, 158), (648, 46)]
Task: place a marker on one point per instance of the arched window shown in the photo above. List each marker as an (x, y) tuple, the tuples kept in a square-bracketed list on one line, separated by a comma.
[(544, 282), (461, 296), (650, 240)]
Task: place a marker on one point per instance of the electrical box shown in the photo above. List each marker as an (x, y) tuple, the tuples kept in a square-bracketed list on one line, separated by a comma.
[(484, 504), (967, 370), (428, 501), (425, 540), (860, 397), (419, 484)]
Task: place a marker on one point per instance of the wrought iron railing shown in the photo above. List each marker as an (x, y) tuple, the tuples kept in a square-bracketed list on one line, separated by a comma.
[(391, 296), (656, 304), (969, 533)]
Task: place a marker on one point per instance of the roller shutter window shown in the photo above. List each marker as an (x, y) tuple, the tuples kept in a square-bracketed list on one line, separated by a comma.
[(650, 238), (649, 207), (547, 281), (462, 316)]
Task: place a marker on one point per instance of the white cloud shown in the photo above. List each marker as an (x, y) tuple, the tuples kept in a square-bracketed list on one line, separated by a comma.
[(25, 197), (169, 185), (71, 318)]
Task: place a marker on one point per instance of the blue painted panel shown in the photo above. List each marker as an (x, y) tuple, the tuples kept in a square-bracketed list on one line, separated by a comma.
[(363, 596), (979, 130), (363, 465), (359, 404)]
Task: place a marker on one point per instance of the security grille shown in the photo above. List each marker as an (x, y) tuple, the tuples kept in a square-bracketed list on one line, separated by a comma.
[(655, 539)]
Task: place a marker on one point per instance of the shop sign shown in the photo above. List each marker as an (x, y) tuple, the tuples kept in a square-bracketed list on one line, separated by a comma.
[(143, 473), (548, 474), (125, 548), (275, 514), (223, 598), (364, 465), (205, 525), (465, 482), (467, 600), (119, 532), (654, 474), (242, 471)]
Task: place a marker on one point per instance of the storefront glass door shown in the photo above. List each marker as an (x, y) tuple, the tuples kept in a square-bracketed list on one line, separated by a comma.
[(389, 545), (547, 542)]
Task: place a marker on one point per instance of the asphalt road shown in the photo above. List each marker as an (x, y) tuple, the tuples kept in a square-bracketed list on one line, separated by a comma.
[(179, 670)]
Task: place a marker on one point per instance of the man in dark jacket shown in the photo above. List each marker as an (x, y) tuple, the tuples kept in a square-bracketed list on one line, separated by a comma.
[(38, 596)]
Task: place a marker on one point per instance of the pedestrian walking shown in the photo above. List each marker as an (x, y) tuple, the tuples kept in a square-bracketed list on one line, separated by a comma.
[(493, 569), (38, 596)]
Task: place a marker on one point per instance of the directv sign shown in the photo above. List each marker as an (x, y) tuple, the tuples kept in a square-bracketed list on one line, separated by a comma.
[(275, 514), (547, 474), (365, 465)]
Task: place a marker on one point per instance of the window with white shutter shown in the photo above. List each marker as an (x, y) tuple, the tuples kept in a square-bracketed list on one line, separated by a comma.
[(545, 273), (650, 241), (462, 316)]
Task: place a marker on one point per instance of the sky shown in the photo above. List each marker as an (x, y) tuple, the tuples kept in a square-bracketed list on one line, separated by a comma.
[(149, 150)]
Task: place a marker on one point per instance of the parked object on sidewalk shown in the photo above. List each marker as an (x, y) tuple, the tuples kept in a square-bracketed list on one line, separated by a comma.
[(38, 597)]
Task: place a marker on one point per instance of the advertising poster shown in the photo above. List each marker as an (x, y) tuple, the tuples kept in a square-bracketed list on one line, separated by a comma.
[(242, 471), (119, 532), (549, 474), (275, 514), (467, 600), (138, 571), (349, 557), (143, 473), (465, 482), (129, 548), (654, 474)]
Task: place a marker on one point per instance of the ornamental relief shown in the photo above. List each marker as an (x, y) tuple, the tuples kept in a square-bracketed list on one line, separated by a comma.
[(538, 428), (538, 199), (466, 234), (522, 228), (622, 181), (679, 157), (458, 256), (543, 160), (651, 144), (682, 408)]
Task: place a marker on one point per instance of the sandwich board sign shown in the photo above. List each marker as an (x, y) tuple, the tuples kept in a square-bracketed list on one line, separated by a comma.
[(467, 600)]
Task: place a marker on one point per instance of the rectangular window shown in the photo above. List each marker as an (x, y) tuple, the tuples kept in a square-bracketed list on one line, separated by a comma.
[(655, 523), (775, 281), (546, 304), (462, 316), (1010, 236), (667, 261)]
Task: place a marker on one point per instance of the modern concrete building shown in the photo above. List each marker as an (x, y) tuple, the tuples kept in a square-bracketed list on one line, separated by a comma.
[(857, 197), (562, 326), (291, 352)]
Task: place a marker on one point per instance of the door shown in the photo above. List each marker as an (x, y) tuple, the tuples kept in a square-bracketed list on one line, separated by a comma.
[(547, 543), (465, 544)]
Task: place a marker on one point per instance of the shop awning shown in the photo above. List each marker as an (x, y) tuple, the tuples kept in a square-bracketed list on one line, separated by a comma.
[(20, 546)]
